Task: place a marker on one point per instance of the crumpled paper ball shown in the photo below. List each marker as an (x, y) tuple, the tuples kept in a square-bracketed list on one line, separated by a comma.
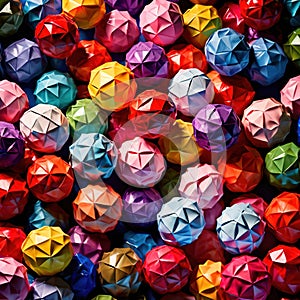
[(235, 91), (180, 221), (14, 283), (13, 101), (12, 145), (24, 61), (97, 208), (55, 88), (260, 15), (216, 127), (87, 56), (116, 90), (227, 52), (268, 62), (290, 96), (161, 22), (57, 36), (86, 13), (202, 183), (245, 277), (141, 206), (283, 166), (168, 186), (44, 128), (283, 217), (162, 265), (134, 7), (120, 272), (146, 59), (205, 280), (13, 196), (140, 163), (118, 31), (240, 230), (291, 47), (191, 90), (266, 123), (200, 22), (283, 264), (47, 250)]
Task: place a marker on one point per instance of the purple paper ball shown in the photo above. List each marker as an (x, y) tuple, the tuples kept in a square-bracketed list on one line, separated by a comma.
[(132, 6)]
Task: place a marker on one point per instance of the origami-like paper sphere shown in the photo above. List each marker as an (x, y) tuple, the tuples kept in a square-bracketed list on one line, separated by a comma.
[(283, 263), (183, 57), (205, 280), (11, 17), (161, 22), (283, 166), (260, 15), (13, 196), (162, 265), (140, 163), (86, 13), (120, 272), (87, 56), (47, 250), (55, 88), (14, 283), (199, 23), (93, 156), (11, 145), (291, 47), (202, 183), (146, 59), (97, 208), (140, 207), (235, 91), (245, 277), (168, 186), (180, 221), (45, 128), (57, 36), (118, 31), (116, 90), (227, 51), (132, 6), (152, 114), (266, 123), (283, 217), (290, 96), (240, 229), (191, 90), (24, 61), (268, 62)]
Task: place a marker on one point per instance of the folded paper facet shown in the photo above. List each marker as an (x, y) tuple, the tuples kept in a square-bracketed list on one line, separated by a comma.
[(132, 6), (291, 47)]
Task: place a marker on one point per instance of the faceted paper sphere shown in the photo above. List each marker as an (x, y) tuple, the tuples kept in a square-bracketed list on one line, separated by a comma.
[(97, 208), (291, 47), (240, 230), (24, 61), (162, 265), (57, 36), (266, 123), (180, 221), (140, 163), (13, 102), (47, 250), (283, 217), (282, 166), (146, 59), (227, 51), (14, 283), (118, 31), (245, 277), (200, 22), (44, 128), (87, 56), (161, 22), (120, 272), (132, 6), (191, 90), (202, 183)]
